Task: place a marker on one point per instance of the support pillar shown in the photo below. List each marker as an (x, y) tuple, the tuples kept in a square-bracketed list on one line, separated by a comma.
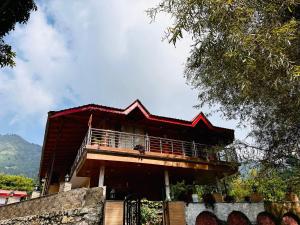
[(101, 176), (167, 186), (101, 179)]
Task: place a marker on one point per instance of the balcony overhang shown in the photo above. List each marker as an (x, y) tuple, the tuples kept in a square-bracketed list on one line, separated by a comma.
[(95, 156)]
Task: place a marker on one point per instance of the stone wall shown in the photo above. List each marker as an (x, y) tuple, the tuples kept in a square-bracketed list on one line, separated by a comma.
[(222, 210), (79, 207)]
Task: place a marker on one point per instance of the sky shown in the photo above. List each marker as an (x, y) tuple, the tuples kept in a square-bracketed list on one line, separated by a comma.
[(76, 52)]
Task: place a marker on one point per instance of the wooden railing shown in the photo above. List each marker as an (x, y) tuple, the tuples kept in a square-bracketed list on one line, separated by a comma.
[(145, 143)]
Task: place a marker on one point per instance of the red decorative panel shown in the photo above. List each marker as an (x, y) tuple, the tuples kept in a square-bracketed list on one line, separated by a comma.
[(265, 219), (290, 219), (206, 218), (237, 218)]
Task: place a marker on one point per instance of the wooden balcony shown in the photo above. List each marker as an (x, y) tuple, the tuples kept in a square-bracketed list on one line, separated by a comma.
[(109, 145)]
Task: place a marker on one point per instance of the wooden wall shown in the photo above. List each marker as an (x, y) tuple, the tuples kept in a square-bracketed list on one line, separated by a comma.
[(113, 212), (175, 213)]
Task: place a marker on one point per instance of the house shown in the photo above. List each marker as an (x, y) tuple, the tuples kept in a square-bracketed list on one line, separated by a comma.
[(131, 151), (10, 196)]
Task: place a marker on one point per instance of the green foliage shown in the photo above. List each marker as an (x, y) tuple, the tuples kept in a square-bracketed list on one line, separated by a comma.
[(182, 191), (270, 184), (179, 189), (291, 174), (14, 182), (245, 58), (239, 188), (151, 212), (12, 12)]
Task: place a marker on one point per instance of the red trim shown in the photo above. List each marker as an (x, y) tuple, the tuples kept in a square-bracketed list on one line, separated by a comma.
[(19, 195), (4, 195), (135, 104), (8, 194), (142, 108)]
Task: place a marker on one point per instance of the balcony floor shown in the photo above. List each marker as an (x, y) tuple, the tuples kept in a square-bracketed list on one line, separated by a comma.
[(96, 156)]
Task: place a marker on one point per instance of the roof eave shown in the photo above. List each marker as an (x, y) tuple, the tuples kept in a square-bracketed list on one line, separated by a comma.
[(44, 144)]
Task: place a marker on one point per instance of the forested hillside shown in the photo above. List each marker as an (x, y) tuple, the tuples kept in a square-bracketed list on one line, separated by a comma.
[(17, 156)]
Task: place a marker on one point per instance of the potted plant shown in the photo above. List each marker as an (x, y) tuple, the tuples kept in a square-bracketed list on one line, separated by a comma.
[(255, 196), (229, 199), (291, 196), (209, 200)]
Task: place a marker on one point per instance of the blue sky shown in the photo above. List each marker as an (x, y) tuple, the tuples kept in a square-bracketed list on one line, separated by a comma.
[(76, 52)]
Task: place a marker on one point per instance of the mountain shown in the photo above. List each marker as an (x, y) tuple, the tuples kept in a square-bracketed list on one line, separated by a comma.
[(19, 157)]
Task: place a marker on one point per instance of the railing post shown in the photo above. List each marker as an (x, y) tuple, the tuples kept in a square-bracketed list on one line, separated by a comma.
[(160, 145), (182, 146), (226, 155), (89, 139), (218, 156), (194, 149), (106, 139), (147, 144), (132, 141), (172, 146)]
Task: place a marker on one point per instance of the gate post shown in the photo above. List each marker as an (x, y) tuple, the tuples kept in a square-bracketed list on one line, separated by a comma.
[(113, 212), (174, 213)]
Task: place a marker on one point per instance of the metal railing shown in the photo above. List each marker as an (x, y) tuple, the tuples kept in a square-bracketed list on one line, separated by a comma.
[(81, 151), (145, 143)]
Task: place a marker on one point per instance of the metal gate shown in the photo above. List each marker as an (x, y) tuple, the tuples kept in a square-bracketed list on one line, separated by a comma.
[(132, 210)]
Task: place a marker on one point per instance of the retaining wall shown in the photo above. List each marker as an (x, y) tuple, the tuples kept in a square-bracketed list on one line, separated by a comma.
[(79, 207)]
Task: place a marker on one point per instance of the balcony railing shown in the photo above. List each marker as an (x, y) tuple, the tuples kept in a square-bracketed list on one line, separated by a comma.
[(144, 143)]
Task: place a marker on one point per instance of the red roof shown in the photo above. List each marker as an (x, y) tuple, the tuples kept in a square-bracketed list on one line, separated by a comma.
[(136, 105), (11, 193)]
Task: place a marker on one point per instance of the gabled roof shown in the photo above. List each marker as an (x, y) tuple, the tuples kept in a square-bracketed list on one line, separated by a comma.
[(134, 106), (65, 129)]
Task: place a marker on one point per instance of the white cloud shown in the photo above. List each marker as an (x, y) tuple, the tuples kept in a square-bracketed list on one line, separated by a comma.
[(30, 89), (76, 52)]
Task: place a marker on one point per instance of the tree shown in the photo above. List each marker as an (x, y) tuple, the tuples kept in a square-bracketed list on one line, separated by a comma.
[(245, 57), (14, 182), (12, 12), (291, 173), (270, 184)]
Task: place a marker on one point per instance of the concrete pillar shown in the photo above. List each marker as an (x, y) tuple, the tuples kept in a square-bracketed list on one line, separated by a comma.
[(167, 186), (101, 176), (65, 186), (101, 179), (36, 194)]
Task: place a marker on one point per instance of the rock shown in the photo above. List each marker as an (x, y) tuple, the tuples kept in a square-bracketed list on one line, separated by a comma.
[(66, 219)]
